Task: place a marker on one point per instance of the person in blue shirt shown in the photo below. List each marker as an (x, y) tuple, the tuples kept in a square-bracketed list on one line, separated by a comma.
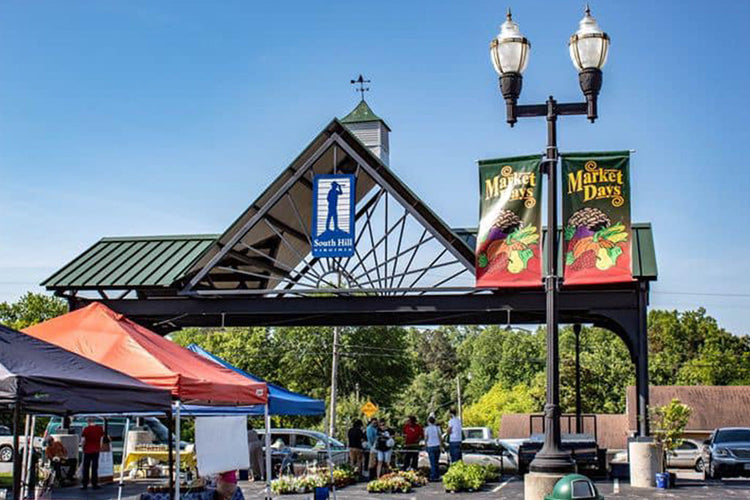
[(372, 438)]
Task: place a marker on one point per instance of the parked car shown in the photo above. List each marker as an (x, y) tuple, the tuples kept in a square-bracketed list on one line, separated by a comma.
[(115, 430), (310, 447), (478, 451), (727, 453), (6, 443), (689, 455), (477, 433)]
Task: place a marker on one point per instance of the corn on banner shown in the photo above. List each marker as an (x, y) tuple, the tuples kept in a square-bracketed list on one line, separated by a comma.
[(596, 218), (508, 252)]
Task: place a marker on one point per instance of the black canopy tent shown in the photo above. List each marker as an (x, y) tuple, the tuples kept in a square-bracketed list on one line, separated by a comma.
[(40, 378)]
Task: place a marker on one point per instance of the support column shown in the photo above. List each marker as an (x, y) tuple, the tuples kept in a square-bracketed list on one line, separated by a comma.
[(642, 388)]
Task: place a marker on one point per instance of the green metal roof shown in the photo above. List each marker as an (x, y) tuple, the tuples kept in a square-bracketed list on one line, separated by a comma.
[(137, 261), (363, 114), (643, 255)]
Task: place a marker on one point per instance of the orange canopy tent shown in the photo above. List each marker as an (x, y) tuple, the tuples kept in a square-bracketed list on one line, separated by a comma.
[(102, 335)]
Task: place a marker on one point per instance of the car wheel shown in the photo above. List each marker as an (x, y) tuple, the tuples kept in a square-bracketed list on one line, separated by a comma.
[(6, 453), (699, 465)]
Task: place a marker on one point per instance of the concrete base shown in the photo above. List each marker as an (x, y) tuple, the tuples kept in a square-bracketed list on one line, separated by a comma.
[(536, 485), (645, 463)]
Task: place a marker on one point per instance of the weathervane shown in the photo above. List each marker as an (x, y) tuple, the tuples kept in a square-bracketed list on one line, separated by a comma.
[(361, 82)]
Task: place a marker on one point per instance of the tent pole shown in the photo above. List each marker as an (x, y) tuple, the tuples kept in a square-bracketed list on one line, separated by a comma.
[(124, 455), (170, 456), (25, 455), (16, 455), (330, 463), (29, 457), (267, 425), (179, 438)]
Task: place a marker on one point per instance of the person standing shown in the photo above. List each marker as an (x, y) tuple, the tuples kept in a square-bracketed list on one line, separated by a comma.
[(91, 441), (384, 445), (455, 436), (432, 440), (412, 435), (356, 439), (255, 449), (372, 438)]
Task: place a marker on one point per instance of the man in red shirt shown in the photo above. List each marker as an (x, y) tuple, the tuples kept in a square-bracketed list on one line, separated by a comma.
[(412, 435), (92, 444)]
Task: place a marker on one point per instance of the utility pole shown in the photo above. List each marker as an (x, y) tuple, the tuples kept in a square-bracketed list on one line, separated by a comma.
[(458, 389), (334, 377), (334, 372), (356, 390)]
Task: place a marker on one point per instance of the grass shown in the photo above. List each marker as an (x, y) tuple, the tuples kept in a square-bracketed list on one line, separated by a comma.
[(6, 480)]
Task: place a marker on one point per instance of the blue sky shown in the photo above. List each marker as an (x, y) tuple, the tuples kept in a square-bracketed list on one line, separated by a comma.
[(141, 117)]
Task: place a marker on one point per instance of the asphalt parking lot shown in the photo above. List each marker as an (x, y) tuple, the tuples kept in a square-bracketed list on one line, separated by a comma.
[(512, 489), (688, 488)]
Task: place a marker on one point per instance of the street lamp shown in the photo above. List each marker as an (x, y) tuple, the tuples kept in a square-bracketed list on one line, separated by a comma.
[(509, 51)]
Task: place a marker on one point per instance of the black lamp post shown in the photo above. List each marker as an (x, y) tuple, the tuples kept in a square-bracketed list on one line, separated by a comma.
[(510, 53)]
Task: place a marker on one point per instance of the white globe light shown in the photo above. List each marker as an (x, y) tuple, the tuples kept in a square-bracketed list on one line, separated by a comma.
[(510, 49), (589, 46)]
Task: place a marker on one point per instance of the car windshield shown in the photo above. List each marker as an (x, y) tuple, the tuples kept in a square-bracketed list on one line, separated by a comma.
[(322, 437), (732, 435)]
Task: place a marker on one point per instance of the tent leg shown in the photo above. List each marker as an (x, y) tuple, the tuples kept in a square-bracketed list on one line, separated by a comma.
[(124, 455), (267, 425), (16, 455), (24, 458), (29, 458), (170, 446), (179, 438)]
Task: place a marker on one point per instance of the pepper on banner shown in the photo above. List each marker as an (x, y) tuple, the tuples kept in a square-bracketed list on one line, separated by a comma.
[(596, 218), (508, 251)]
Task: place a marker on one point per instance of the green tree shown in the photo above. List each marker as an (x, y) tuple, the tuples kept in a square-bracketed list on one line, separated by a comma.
[(606, 371), (499, 400), (428, 392), (691, 348), (669, 423), (496, 355), (31, 309)]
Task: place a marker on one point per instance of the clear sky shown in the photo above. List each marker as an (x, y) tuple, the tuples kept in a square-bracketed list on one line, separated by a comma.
[(141, 117)]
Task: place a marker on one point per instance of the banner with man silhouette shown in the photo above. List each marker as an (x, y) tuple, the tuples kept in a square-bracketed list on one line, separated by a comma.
[(333, 215), (508, 251)]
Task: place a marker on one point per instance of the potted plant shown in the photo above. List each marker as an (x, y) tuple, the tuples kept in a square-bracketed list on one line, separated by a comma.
[(669, 423)]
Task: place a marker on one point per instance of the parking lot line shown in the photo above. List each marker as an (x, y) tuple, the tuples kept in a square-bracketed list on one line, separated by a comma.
[(616, 487), (501, 486)]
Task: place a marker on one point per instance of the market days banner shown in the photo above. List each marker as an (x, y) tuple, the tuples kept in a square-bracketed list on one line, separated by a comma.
[(508, 253), (596, 218)]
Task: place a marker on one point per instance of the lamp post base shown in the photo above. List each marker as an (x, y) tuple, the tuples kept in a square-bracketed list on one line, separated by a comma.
[(553, 463), (537, 485)]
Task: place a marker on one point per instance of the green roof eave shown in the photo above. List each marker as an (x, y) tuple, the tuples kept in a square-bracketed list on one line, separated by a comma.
[(363, 114)]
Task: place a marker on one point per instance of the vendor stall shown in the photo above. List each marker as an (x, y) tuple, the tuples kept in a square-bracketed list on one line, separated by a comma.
[(102, 335), (37, 377)]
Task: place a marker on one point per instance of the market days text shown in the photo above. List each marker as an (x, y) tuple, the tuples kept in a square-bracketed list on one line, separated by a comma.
[(588, 180), (521, 184)]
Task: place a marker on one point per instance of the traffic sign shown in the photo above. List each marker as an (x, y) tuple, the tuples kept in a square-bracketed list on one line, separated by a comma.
[(369, 409)]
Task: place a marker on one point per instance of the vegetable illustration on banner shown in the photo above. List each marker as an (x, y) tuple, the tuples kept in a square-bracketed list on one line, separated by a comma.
[(596, 216), (508, 253), (333, 216)]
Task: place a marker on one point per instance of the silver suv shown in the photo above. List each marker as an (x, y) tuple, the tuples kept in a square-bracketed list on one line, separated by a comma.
[(308, 447), (728, 453)]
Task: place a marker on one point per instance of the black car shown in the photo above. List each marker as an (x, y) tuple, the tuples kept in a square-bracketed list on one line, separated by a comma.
[(728, 453)]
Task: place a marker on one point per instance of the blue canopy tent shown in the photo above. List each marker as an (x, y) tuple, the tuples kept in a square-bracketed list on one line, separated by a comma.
[(280, 400)]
